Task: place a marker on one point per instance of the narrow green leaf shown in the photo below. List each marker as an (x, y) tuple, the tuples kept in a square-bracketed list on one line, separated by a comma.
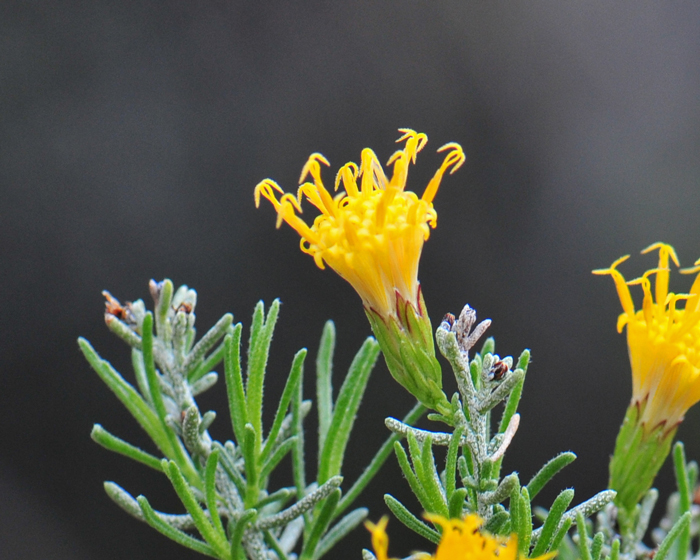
[(615, 550), (547, 472), (239, 527), (514, 398), (234, 382), (283, 495), (498, 523), (410, 520), (554, 516), (324, 382), (561, 533), (128, 396), (177, 452), (685, 496), (456, 504), (123, 499), (150, 366), (345, 413), (210, 492), (275, 545), (217, 541), (140, 374), (340, 530), (516, 511), (431, 482), (525, 533), (174, 534), (258, 352), (113, 443), (413, 482), (227, 463), (416, 455), (692, 467), (597, 546), (489, 346), (377, 461), (206, 343), (251, 465), (162, 309), (475, 374), (502, 491), (451, 463), (681, 477), (298, 463), (279, 454), (486, 475), (295, 374), (212, 361), (646, 508), (320, 524), (123, 331), (583, 545)]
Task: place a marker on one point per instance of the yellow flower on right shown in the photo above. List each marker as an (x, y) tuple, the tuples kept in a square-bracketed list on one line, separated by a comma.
[(663, 339)]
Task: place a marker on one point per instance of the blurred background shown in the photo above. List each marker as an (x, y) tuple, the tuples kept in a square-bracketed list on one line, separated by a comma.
[(132, 135)]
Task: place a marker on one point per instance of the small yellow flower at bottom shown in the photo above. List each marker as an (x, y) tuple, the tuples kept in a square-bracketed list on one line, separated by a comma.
[(461, 539)]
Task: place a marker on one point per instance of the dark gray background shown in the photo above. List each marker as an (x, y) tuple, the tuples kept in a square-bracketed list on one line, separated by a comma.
[(132, 135)]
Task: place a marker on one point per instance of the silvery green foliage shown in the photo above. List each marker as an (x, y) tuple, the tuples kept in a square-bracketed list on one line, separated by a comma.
[(230, 510), (471, 480), (672, 539)]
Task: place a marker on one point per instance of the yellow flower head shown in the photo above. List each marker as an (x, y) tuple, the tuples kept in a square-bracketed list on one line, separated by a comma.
[(461, 540), (663, 341), (371, 234)]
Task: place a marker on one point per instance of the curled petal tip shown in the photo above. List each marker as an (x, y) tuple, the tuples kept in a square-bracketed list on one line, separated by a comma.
[(289, 198), (456, 158), (406, 133), (265, 188), (691, 270), (312, 166), (663, 247), (613, 266), (651, 247)]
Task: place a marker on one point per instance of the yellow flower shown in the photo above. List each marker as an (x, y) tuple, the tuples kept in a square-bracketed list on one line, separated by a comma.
[(663, 342), (461, 540), (371, 234), (664, 349)]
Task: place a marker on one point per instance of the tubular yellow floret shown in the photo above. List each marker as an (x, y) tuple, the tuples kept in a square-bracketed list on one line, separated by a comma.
[(623, 291), (665, 251), (455, 158)]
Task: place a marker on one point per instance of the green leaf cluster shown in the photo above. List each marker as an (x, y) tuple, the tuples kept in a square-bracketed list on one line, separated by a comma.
[(471, 480), (230, 510)]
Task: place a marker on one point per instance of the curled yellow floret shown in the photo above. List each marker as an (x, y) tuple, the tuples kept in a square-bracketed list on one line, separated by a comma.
[(663, 338), (462, 539), (372, 232)]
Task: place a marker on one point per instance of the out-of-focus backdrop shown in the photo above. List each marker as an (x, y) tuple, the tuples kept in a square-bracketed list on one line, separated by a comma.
[(132, 135)]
